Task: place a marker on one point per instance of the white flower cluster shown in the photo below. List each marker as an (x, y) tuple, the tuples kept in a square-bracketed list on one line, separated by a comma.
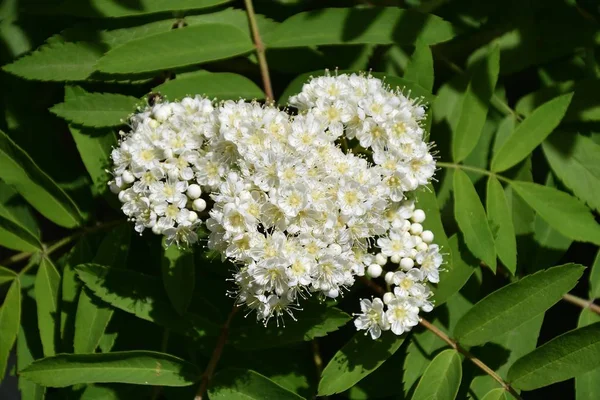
[(295, 209), (160, 165)]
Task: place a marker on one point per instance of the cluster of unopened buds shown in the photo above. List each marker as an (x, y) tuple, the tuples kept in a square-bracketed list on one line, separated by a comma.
[(301, 204)]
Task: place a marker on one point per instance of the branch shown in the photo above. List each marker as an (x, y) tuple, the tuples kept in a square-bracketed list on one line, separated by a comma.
[(260, 51), (578, 301), (216, 356), (454, 344)]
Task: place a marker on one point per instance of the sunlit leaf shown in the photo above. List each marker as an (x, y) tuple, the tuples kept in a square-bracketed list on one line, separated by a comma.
[(441, 379), (245, 384)]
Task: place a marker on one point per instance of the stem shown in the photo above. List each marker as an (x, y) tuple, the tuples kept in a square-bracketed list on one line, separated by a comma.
[(472, 169), (578, 301), (454, 344), (216, 355), (260, 51)]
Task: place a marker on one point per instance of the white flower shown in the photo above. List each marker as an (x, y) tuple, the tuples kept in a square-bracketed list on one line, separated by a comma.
[(402, 315), (372, 318)]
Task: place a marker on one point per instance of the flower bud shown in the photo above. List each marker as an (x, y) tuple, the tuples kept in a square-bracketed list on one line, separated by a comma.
[(389, 296), (389, 277), (194, 191), (395, 258), (416, 229), (422, 247), (407, 263), (199, 205), (380, 259), (374, 270), (128, 177), (418, 216), (192, 217), (427, 236)]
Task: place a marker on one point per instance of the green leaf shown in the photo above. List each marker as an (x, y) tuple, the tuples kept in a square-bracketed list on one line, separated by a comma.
[(595, 277), (141, 295), (120, 8), (441, 379), (395, 83), (222, 85), (10, 317), (245, 384), (96, 110), (57, 61), (574, 159), (420, 67), (15, 236), (461, 267), (496, 394), (500, 220), (359, 26), (14, 207), (70, 290), (314, 320), (561, 211), (513, 305), (177, 48), (20, 171), (178, 276), (472, 221), (421, 349), (586, 385), (426, 200), (136, 367), (93, 315), (6, 275), (357, 359), (566, 356), (47, 284), (531, 132), (474, 106)]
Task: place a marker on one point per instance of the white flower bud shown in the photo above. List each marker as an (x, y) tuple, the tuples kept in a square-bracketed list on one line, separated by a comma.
[(194, 191), (199, 205), (395, 258), (418, 216), (389, 296), (128, 177), (156, 230), (416, 229), (412, 253), (192, 217), (153, 123), (407, 263), (418, 240), (333, 293), (122, 196), (427, 236), (112, 185), (374, 270), (389, 277), (422, 247), (380, 259)]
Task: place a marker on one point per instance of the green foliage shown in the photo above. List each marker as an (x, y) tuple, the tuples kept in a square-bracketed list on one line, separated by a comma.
[(515, 304), (47, 284), (500, 222), (138, 367), (222, 85), (244, 384), (10, 315), (178, 276), (420, 69), (442, 377)]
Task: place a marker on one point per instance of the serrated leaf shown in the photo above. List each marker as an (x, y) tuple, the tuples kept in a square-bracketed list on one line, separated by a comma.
[(314, 320), (474, 106), (359, 26), (57, 61), (93, 315), (222, 85), (566, 356), (595, 277), (119, 8), (496, 394), (420, 67), (47, 283), (461, 267), (6, 275), (531, 132), (357, 359), (513, 305), (135, 367), (178, 276), (395, 82), (472, 221), (176, 48), (20, 171), (442, 377), (561, 211), (96, 110), (245, 384), (141, 295), (500, 221), (10, 317), (586, 385), (574, 159)]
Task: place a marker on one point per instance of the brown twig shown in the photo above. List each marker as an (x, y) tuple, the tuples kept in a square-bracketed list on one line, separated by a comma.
[(216, 356), (260, 51), (454, 344), (578, 301)]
